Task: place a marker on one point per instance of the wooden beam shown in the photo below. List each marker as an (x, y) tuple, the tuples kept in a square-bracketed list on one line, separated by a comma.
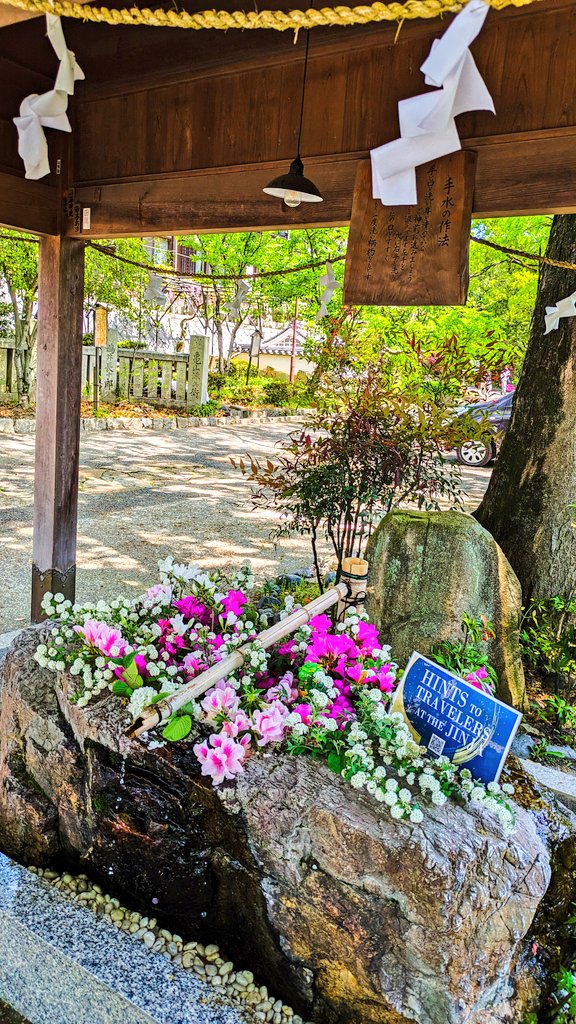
[(58, 393), (28, 205), (516, 176)]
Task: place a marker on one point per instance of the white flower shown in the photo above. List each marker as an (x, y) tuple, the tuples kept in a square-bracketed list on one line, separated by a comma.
[(319, 698), (372, 786), (358, 780), (397, 811), (493, 787), (416, 815), (391, 784), (439, 798), (405, 795), (140, 699), (330, 724), (300, 730), (508, 788), (391, 798)]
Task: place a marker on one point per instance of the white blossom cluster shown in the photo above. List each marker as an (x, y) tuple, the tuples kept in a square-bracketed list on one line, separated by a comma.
[(387, 762)]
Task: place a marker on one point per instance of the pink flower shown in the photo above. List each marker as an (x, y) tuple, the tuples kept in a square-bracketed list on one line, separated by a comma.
[(331, 648), (158, 594), (305, 712), (477, 679), (240, 723), (234, 602), (289, 648), (192, 664), (221, 757), (320, 624), (103, 637), (221, 699), (341, 710), (270, 725), (367, 637), (355, 671), (284, 689), (140, 662), (386, 677), (193, 609)]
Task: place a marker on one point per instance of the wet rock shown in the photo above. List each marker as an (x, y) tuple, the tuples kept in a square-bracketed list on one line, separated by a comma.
[(428, 570), (561, 781), (347, 915)]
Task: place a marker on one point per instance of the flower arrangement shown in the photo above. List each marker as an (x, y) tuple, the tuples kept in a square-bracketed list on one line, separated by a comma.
[(324, 692)]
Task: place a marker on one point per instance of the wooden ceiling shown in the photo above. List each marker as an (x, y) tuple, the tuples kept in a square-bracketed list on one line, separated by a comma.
[(176, 130)]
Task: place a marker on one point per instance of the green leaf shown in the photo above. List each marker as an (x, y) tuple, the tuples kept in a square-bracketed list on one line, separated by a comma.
[(121, 689), (131, 674), (188, 709), (335, 762), (177, 728), (157, 697)]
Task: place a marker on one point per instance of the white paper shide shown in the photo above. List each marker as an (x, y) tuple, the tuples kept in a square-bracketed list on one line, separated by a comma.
[(565, 307), (47, 110), (427, 126)]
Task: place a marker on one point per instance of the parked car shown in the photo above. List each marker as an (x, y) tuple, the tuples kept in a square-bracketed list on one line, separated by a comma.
[(496, 415)]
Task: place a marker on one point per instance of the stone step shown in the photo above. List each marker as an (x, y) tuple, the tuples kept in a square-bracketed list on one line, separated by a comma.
[(59, 964)]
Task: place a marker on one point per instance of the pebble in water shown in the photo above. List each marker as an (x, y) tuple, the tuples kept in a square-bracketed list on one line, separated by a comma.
[(205, 961)]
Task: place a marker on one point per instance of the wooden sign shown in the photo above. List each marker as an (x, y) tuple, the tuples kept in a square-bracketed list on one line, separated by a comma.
[(454, 719), (100, 326), (412, 255)]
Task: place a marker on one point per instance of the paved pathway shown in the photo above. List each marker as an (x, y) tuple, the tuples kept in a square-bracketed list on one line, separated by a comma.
[(147, 494)]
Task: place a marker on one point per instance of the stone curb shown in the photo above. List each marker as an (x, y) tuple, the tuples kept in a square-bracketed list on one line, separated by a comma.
[(8, 426)]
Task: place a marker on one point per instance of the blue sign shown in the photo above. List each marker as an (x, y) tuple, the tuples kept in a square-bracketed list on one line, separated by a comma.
[(451, 717)]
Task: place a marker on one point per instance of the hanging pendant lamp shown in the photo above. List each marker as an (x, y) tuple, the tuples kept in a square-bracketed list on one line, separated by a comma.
[(293, 188)]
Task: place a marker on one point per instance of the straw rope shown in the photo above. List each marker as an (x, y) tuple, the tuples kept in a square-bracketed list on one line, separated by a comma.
[(280, 21), (171, 272), (525, 255)]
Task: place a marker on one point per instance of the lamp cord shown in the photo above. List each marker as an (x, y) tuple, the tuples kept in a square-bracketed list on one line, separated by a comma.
[(303, 91)]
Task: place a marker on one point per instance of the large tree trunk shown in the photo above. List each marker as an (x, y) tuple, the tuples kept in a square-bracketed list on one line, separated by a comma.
[(529, 504)]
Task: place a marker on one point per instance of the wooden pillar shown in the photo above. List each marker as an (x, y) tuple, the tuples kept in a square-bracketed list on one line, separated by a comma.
[(58, 392)]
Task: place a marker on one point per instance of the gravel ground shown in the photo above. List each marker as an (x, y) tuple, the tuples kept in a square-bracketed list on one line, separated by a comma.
[(144, 495)]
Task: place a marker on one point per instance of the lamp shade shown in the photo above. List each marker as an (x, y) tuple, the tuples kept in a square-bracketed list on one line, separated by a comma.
[(293, 187)]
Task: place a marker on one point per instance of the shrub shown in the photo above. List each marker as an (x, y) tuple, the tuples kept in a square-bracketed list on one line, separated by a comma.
[(548, 638), (216, 382), (209, 408), (278, 392), (354, 466)]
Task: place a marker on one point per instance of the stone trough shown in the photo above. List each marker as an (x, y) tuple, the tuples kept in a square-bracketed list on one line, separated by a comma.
[(349, 916)]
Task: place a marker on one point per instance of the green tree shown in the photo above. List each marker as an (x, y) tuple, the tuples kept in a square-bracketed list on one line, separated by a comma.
[(108, 281), (19, 276), (271, 299), (529, 504)]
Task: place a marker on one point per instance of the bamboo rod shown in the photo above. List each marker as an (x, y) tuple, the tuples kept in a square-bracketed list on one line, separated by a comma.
[(352, 586)]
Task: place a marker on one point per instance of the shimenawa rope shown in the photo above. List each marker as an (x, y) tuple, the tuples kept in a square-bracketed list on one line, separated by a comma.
[(280, 21)]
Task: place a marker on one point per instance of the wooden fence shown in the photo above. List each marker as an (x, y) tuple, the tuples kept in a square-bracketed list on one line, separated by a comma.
[(174, 379)]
